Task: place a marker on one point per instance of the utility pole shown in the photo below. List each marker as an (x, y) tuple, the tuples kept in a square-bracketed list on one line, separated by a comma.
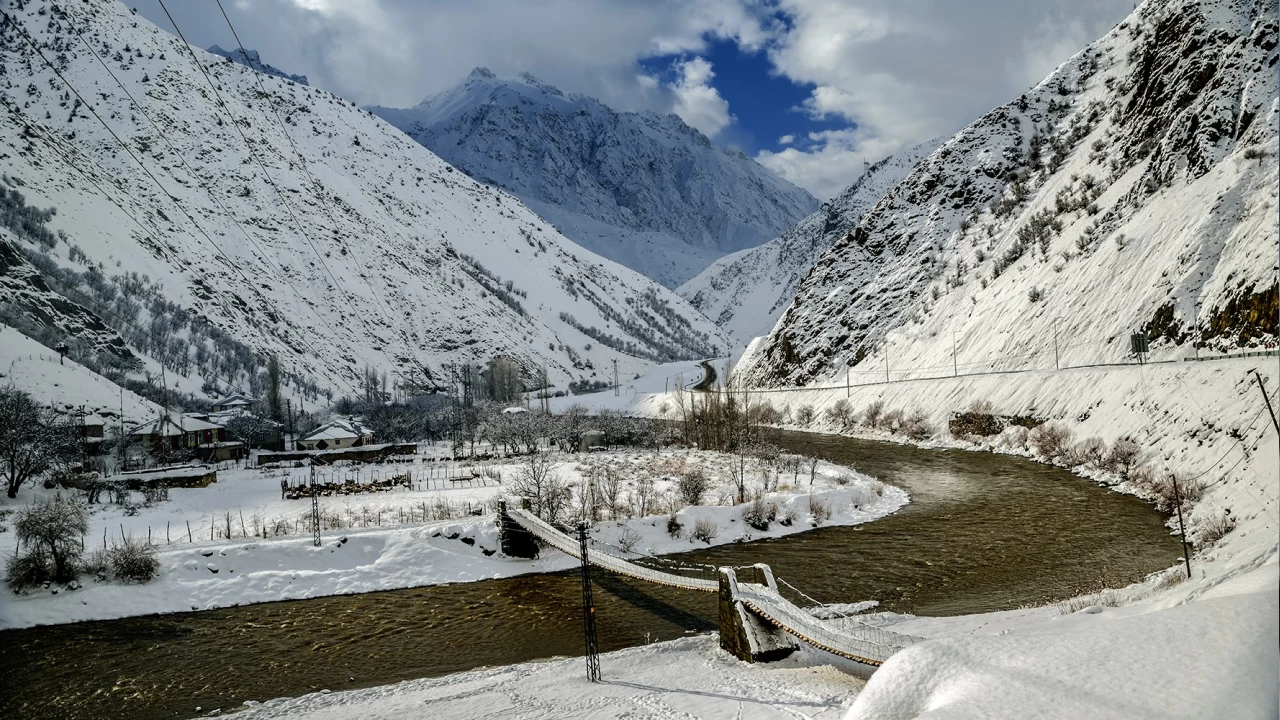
[(1182, 528), (955, 365), (315, 506), (1267, 400), (615, 377), (1056, 364), (1200, 333), (886, 359), (289, 404), (588, 611), (846, 379)]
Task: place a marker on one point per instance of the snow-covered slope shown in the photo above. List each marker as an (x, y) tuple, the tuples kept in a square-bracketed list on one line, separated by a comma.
[(337, 242), (643, 189), (1134, 189), (746, 291), (251, 59)]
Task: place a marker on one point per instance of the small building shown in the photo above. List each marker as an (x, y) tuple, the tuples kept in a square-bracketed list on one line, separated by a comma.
[(591, 440), (180, 433), (236, 403), (220, 451), (93, 426), (336, 434)]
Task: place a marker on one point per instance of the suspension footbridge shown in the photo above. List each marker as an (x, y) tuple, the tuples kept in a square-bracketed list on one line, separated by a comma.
[(756, 622)]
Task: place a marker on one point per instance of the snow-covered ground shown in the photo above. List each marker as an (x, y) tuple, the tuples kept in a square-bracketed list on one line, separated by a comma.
[(65, 385), (1168, 647), (687, 678), (213, 554)]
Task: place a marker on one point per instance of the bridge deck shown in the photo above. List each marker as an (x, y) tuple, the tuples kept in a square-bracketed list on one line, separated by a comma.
[(847, 638), (569, 546)]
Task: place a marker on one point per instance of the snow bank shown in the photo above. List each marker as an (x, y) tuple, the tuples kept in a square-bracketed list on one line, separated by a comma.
[(1213, 658), (689, 678)]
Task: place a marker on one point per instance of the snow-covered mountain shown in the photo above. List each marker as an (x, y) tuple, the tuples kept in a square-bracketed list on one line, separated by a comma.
[(1134, 189), (251, 59), (289, 219), (746, 291), (643, 189)]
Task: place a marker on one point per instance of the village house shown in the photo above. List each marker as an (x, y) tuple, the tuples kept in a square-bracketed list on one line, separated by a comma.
[(336, 434), (188, 434), (236, 403)]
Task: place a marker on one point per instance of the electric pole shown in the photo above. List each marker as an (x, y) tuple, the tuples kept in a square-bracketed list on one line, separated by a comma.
[(1056, 365), (1182, 528), (886, 359), (615, 377), (955, 366), (315, 506), (588, 611), (1267, 400)]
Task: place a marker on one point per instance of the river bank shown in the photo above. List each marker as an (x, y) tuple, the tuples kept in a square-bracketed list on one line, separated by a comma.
[(375, 548)]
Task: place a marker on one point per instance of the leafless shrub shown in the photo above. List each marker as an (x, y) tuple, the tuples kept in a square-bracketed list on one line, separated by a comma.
[(675, 528), (628, 540), (840, 414), (1214, 529), (692, 484), (841, 479), (133, 561), (1105, 598), (804, 415), (704, 530), (759, 513), (1051, 440), (891, 420), (871, 416), (1122, 458), (819, 511), (1090, 452), (917, 426)]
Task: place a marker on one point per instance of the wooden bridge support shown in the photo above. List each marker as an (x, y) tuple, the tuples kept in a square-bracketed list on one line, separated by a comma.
[(742, 634), (514, 540)]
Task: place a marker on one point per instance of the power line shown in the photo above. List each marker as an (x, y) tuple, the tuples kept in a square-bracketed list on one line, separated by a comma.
[(31, 42), (208, 187), (274, 185), (302, 162)]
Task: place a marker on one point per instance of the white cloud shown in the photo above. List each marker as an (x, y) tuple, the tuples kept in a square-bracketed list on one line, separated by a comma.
[(786, 139), (696, 102), (896, 72), (903, 72)]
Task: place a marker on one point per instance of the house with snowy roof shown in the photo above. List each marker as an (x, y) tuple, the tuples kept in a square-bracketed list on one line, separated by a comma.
[(233, 403), (335, 434), (176, 434)]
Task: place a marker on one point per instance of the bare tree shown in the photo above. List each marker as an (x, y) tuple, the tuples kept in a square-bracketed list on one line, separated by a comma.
[(538, 480), (33, 440), (812, 462), (51, 529)]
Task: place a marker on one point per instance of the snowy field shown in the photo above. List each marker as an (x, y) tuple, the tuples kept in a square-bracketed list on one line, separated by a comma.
[(213, 554)]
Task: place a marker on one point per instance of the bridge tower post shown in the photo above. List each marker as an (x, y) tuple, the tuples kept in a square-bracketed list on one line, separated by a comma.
[(514, 540), (588, 610), (742, 634)]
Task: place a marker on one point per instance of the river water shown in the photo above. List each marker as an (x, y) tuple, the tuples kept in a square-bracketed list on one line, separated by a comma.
[(982, 532)]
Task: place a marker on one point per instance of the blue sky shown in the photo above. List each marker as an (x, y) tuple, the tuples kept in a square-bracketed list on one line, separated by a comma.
[(849, 79), (765, 105)]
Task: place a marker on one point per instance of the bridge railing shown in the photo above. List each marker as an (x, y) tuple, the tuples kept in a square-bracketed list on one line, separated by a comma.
[(544, 531)]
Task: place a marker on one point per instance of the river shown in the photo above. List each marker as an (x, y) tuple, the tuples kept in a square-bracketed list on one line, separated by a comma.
[(982, 532)]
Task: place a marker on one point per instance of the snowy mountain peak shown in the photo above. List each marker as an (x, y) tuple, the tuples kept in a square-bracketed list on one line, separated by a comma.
[(642, 189), (251, 59)]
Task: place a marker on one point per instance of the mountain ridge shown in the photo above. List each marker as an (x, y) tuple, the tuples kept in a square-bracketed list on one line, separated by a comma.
[(641, 188)]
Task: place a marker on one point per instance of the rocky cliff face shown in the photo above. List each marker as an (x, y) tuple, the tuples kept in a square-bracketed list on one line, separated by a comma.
[(746, 291), (642, 189), (1133, 190), (251, 60)]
